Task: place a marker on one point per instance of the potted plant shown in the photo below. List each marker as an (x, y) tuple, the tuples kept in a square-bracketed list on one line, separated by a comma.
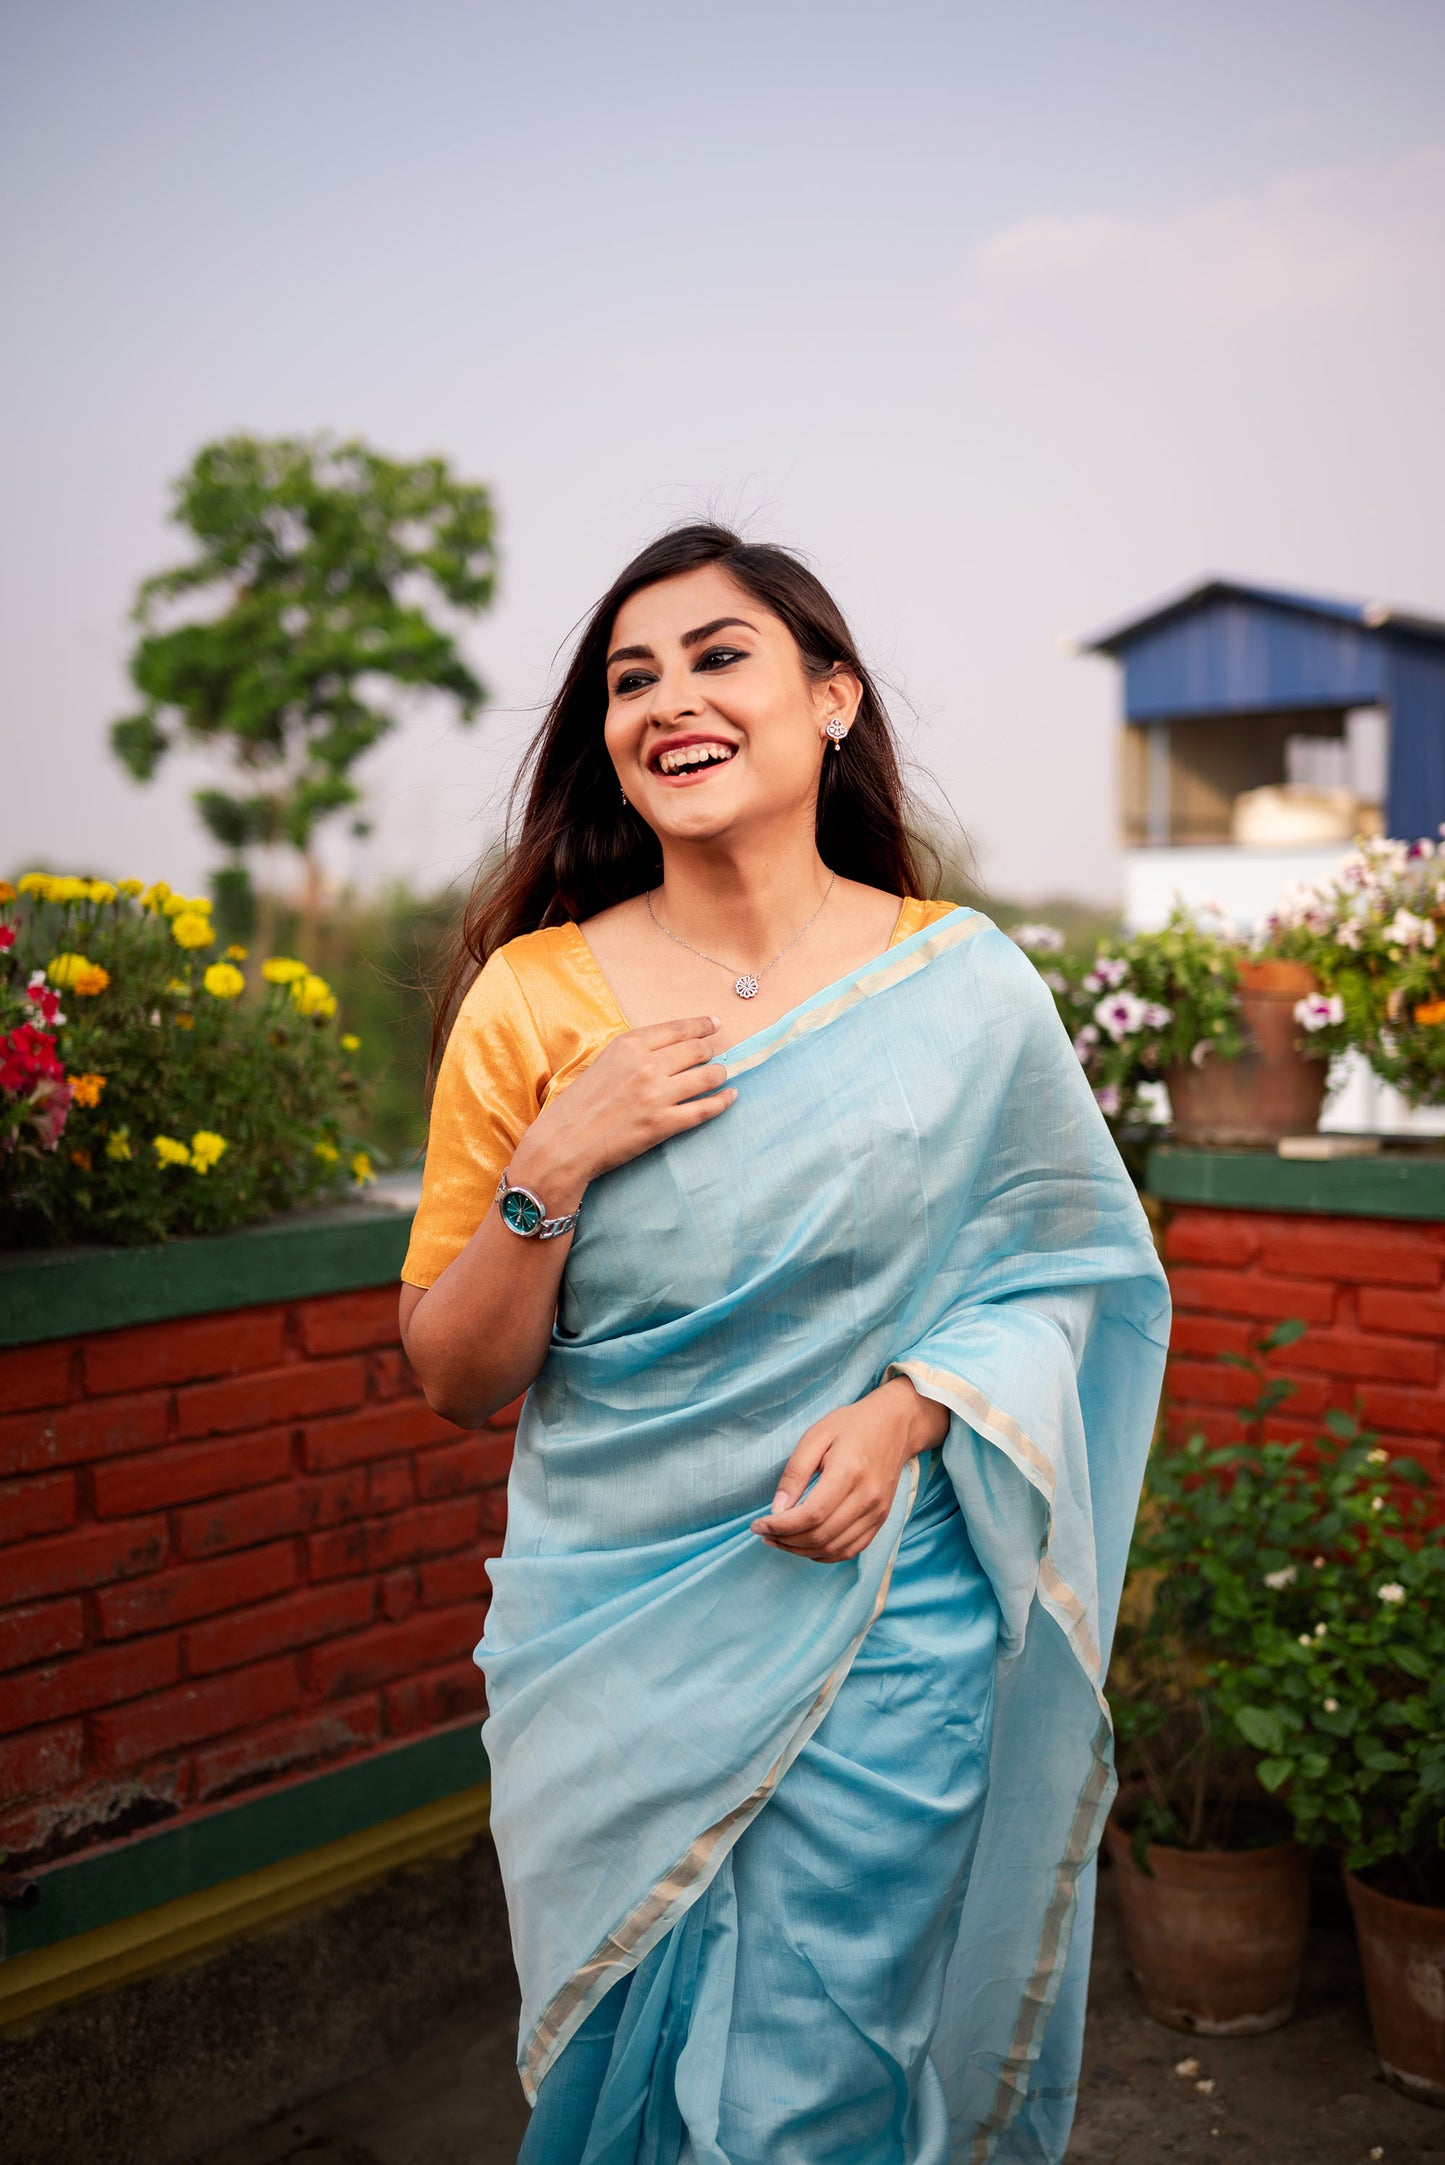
[(1343, 1692), (1374, 939), (147, 1085), (1213, 1890)]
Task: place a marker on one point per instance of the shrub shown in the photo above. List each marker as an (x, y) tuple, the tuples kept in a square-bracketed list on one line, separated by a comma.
[(149, 1085)]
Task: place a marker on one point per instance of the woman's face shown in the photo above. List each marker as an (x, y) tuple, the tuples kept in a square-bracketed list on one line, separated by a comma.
[(712, 724)]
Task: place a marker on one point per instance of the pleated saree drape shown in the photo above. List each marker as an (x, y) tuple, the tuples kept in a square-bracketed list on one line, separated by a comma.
[(798, 1856)]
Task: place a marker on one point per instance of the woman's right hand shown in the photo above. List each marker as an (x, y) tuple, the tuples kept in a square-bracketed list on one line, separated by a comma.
[(642, 1088)]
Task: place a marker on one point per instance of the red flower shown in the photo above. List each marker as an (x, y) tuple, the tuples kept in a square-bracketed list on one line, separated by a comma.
[(7, 937)]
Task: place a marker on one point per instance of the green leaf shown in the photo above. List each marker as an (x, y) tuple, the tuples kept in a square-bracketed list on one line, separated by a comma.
[(1343, 1425), (1274, 1773), (1262, 1726), (1380, 1761), (1287, 1333)]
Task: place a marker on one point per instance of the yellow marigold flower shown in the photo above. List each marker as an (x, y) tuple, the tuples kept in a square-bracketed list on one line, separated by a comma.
[(280, 969), (7, 892), (35, 883), (350, 1043), (154, 896), (236, 954), (223, 981), (327, 1152), (1431, 1013), (130, 888), (73, 973), (206, 1149), (65, 887), (99, 891), (190, 929), (180, 986), (313, 995), (118, 1145), (361, 1171), (169, 1151), (86, 1089)]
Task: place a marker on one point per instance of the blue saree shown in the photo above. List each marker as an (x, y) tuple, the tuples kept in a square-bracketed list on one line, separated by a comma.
[(798, 1856)]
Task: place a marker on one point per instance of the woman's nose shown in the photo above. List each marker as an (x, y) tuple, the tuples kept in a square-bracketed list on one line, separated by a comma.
[(674, 696)]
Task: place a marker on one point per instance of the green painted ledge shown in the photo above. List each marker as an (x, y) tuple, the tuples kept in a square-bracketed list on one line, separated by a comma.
[(147, 1870), (60, 1292), (1408, 1183)]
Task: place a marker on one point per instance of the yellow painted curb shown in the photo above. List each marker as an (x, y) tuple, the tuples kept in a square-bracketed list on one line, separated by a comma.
[(180, 1931)]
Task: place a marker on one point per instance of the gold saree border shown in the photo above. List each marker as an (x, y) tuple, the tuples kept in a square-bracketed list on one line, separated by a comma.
[(1070, 1613), (660, 1909), (891, 968)]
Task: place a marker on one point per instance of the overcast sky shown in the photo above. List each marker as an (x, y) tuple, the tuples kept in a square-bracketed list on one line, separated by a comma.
[(1011, 316)]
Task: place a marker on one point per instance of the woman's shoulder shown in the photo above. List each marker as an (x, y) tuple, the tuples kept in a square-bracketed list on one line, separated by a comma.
[(542, 987), (916, 914)]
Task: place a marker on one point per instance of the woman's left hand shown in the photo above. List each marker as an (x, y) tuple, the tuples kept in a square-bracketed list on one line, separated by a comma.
[(858, 1452)]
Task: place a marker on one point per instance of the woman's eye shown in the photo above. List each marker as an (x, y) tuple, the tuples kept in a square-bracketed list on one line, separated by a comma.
[(718, 657), (631, 680)]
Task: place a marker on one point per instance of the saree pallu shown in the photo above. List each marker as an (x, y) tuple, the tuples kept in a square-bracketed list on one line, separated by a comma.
[(731, 1785)]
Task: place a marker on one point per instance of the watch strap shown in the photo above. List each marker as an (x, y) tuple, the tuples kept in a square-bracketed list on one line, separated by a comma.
[(542, 1227)]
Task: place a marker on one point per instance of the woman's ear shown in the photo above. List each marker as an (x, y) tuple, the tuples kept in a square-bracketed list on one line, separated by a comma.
[(837, 698)]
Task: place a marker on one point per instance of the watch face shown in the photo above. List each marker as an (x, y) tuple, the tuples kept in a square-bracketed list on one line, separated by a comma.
[(521, 1210)]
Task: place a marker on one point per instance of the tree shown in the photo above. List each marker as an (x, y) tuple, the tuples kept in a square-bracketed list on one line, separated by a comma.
[(324, 565)]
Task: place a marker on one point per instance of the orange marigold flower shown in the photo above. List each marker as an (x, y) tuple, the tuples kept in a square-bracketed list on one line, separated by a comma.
[(81, 1158), (1431, 1012), (7, 892), (86, 1089), (76, 973)]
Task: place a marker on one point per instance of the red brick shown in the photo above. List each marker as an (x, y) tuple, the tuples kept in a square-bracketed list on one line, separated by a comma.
[(1209, 1383), (390, 1486), (185, 1350), (1209, 1336), (431, 1701), (392, 1375), (346, 1322), (270, 1395), (458, 1578), (187, 1471), (36, 1375), (1363, 1252), (373, 1544), (1360, 1353), (1247, 1293), (1419, 1315), (90, 1428), (125, 1736), (492, 1510), (425, 1641), (244, 1635), (1413, 1413), (102, 1678), (1217, 1427), (286, 1747), (1212, 1236), (56, 1627), (398, 1595), (172, 1597), (506, 1416), (42, 1762), (479, 1461), (237, 1522), (374, 1432), (89, 1556), (41, 1505)]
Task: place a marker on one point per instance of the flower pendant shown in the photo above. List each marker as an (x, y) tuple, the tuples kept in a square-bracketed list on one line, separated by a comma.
[(746, 987)]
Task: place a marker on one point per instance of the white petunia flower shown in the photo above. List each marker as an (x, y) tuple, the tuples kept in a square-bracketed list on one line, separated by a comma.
[(1305, 1639), (1320, 1630), (1393, 1593), (1042, 939), (1379, 1458), (1331, 1706), (1317, 1012), (1120, 1013), (1277, 1581), (1377, 1503)]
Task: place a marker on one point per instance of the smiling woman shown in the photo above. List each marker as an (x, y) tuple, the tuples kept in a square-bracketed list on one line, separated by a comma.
[(841, 1341)]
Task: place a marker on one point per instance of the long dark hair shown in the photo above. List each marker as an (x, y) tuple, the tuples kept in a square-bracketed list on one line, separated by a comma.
[(577, 848)]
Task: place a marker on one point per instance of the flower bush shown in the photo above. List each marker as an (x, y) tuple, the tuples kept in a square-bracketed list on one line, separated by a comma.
[(1375, 938), (1284, 1638), (146, 1088), (1144, 1003)]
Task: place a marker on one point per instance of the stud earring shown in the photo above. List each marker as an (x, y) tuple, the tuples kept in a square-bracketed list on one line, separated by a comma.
[(837, 729)]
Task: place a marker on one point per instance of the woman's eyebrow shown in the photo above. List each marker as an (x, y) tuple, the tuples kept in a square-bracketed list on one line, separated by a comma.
[(689, 638)]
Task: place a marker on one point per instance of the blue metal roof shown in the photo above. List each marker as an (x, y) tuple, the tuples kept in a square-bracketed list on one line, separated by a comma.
[(1370, 616)]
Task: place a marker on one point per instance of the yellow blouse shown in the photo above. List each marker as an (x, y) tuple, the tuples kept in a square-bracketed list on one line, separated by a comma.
[(536, 1016)]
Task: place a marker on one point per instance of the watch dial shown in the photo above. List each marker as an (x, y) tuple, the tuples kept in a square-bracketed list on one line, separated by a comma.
[(522, 1211)]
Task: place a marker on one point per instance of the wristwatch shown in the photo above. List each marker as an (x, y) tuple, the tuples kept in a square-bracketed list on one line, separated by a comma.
[(525, 1214)]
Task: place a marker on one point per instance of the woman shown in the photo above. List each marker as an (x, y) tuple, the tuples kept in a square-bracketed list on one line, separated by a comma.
[(780, 1193)]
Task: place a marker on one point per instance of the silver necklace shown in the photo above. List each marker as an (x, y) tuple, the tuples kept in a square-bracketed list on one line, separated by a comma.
[(746, 986)]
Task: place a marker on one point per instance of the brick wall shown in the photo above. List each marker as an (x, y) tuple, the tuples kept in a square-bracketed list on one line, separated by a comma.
[(232, 1548), (1371, 1292)]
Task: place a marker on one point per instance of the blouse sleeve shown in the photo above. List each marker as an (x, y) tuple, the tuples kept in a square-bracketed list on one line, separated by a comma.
[(494, 1075)]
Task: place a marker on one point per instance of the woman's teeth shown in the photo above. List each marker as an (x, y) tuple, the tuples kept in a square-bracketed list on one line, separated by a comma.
[(693, 755)]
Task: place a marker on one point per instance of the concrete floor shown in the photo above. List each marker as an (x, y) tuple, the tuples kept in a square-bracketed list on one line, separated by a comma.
[(1309, 2094)]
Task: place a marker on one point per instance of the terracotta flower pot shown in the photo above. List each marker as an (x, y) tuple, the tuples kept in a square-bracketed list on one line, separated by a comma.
[(1402, 1950), (1272, 1089), (1217, 1937)]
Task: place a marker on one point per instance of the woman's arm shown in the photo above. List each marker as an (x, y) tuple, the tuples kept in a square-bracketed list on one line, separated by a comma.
[(479, 1335)]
